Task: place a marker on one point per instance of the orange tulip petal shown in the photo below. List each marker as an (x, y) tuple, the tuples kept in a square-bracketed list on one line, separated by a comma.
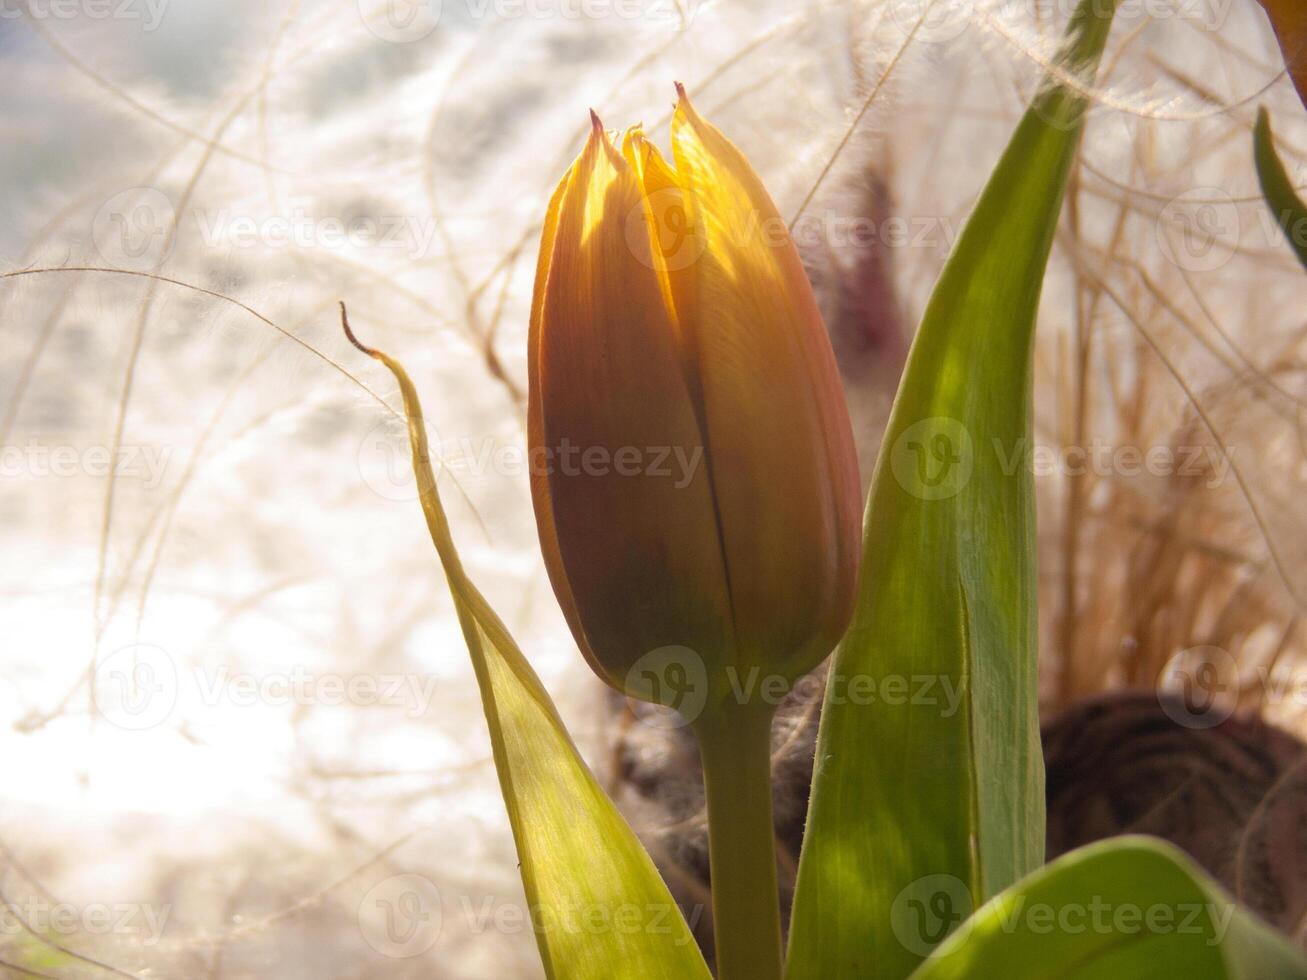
[(1289, 18), (673, 243), (780, 444), (544, 512), (632, 524)]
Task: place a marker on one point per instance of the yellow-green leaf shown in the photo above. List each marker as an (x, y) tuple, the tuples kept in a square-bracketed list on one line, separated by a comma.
[(599, 909), (946, 776), (1131, 908)]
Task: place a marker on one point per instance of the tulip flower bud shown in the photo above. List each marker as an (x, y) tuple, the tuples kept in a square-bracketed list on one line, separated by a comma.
[(1289, 19), (693, 469)]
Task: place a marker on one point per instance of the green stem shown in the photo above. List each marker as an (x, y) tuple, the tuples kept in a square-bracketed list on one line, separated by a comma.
[(735, 745)]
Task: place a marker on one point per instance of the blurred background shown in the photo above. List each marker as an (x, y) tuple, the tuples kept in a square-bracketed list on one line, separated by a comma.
[(239, 729)]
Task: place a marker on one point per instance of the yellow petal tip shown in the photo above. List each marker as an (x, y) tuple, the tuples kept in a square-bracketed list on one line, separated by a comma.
[(685, 110)]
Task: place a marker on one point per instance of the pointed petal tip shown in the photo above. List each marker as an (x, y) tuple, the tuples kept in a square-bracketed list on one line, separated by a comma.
[(684, 107), (596, 125)]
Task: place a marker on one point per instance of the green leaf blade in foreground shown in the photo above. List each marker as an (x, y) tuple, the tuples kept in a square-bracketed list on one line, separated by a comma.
[(948, 779), (1289, 210), (598, 906), (1131, 908)]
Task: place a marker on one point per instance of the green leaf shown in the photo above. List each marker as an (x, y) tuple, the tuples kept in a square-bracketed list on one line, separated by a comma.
[(928, 761), (597, 904), (1288, 208), (1131, 907)]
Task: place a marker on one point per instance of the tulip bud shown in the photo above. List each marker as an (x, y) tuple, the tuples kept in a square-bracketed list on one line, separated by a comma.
[(693, 469), (1289, 19)]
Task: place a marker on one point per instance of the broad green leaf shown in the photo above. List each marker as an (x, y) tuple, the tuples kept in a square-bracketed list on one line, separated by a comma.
[(928, 761), (597, 904), (1131, 908), (1288, 208)]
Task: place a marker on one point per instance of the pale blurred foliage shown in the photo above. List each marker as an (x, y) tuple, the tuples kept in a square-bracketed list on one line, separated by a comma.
[(277, 538)]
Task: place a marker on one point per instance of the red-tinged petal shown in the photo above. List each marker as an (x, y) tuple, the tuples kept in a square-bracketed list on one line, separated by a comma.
[(1289, 18), (544, 512), (631, 522)]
